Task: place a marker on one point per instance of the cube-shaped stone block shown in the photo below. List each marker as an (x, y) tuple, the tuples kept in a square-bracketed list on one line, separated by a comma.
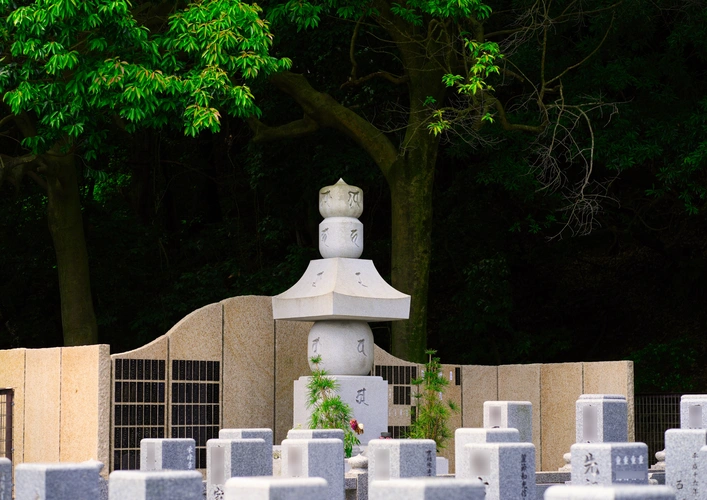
[(57, 481), (264, 434), (315, 434), (510, 414), (507, 469), (155, 485), (167, 454), (401, 458), (5, 479), (465, 436), (693, 411), (682, 462), (609, 463), (601, 418), (617, 492), (227, 458), (276, 488), (427, 489), (316, 458)]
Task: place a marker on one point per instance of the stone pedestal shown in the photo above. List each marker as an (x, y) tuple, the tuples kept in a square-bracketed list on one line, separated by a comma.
[(367, 396)]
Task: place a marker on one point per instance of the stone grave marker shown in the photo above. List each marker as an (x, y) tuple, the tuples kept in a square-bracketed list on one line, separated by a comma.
[(155, 485), (693, 411), (510, 414), (601, 418), (682, 448), (276, 488), (609, 463), (507, 469), (616, 492), (401, 458), (465, 436), (5, 479), (57, 481), (167, 454), (316, 458), (227, 458), (427, 489), (262, 433)]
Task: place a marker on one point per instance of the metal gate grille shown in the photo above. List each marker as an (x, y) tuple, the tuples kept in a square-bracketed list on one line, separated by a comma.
[(655, 414), (6, 423)]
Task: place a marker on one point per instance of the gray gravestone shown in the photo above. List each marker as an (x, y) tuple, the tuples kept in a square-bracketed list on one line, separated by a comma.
[(465, 436), (693, 411), (609, 463), (264, 434), (155, 485), (427, 489), (507, 469), (5, 479), (227, 458), (510, 414), (316, 458), (315, 434), (167, 454), (682, 448), (276, 488), (57, 481), (633, 492), (601, 418), (401, 458)]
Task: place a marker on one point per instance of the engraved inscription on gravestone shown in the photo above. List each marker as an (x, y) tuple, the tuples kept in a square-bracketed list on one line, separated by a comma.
[(218, 465), (480, 462), (382, 464), (294, 462), (695, 417), (589, 427), (591, 469), (151, 458), (495, 416)]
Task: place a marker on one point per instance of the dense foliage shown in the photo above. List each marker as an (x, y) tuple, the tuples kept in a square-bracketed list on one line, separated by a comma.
[(173, 222)]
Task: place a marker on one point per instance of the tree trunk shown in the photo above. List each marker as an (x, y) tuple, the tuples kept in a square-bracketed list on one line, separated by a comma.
[(66, 227)]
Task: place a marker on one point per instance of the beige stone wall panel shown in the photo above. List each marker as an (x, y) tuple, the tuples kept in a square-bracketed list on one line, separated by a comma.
[(612, 377), (479, 384), (12, 376), (157, 349), (42, 405), (85, 404), (198, 336), (561, 386), (522, 383), (290, 364), (249, 362)]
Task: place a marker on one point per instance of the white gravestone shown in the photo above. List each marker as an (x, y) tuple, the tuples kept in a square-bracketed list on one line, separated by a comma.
[(57, 481), (5, 479), (601, 418), (633, 492), (367, 397), (609, 463), (510, 414), (167, 454), (155, 485), (465, 436), (693, 411), (682, 448), (316, 458), (227, 458), (400, 458), (507, 469), (427, 489), (315, 434), (276, 488), (261, 433)]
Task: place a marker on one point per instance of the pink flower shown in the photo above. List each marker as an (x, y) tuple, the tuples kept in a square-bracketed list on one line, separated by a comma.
[(355, 426)]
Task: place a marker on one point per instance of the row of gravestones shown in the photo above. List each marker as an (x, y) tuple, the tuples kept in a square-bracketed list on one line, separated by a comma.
[(494, 462)]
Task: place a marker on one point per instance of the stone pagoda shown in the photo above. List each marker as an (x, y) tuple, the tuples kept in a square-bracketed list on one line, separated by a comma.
[(341, 294)]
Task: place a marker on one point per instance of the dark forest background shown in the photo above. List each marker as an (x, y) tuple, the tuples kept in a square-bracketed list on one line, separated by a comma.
[(175, 223)]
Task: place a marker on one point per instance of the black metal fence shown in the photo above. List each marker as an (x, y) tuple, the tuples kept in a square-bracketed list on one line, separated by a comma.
[(6, 423), (655, 414)]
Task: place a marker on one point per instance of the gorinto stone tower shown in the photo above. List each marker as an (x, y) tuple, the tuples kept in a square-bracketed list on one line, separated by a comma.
[(341, 294)]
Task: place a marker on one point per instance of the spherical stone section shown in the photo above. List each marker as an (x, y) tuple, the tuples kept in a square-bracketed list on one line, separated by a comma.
[(346, 347), (341, 237), (341, 200)]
